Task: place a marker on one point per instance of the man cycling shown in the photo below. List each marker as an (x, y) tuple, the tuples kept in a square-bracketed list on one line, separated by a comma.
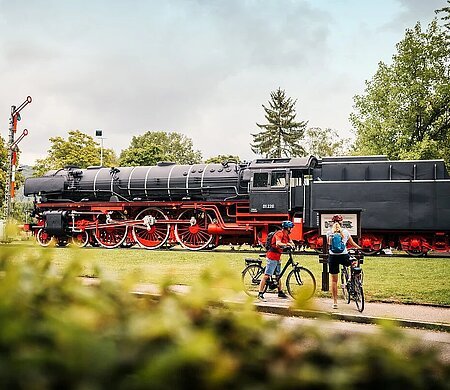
[(280, 241)]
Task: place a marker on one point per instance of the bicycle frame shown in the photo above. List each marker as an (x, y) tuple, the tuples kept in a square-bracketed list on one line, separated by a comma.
[(280, 275), (349, 271), (288, 263), (300, 281), (353, 283)]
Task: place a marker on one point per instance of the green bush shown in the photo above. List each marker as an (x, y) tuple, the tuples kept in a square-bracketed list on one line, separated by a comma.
[(57, 333)]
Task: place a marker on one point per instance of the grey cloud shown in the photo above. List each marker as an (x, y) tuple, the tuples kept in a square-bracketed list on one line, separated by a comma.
[(414, 10), (199, 67), (161, 74)]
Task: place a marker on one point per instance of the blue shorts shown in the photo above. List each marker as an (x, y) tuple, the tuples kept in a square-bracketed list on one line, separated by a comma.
[(273, 266)]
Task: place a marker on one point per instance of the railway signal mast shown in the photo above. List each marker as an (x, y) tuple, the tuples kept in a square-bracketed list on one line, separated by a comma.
[(13, 149)]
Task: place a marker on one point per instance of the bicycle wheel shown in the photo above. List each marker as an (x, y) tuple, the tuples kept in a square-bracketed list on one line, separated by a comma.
[(345, 284), (358, 293), (251, 278), (301, 284)]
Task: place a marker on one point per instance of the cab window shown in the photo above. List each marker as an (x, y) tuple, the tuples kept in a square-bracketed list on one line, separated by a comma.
[(278, 179), (260, 179)]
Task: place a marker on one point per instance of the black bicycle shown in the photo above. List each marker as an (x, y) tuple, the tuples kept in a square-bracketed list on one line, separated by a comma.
[(300, 282), (352, 281)]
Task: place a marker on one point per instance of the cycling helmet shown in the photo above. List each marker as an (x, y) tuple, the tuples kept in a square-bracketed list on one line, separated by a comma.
[(337, 218), (287, 224)]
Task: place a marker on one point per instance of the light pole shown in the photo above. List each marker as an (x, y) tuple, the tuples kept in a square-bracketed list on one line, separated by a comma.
[(99, 134)]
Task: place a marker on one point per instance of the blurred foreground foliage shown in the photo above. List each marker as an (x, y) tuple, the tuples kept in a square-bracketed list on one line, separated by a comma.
[(58, 333)]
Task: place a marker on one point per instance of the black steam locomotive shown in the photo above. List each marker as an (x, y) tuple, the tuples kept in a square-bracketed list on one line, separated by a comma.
[(405, 204)]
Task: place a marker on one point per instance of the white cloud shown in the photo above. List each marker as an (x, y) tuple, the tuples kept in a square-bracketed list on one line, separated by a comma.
[(202, 68)]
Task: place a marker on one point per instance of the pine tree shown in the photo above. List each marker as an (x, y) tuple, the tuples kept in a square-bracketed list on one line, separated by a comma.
[(282, 134), (446, 17)]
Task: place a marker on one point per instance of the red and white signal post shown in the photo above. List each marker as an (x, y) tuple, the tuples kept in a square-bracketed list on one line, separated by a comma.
[(12, 147)]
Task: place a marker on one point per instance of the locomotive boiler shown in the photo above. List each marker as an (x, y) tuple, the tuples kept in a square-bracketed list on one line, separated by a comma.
[(405, 204), (165, 182)]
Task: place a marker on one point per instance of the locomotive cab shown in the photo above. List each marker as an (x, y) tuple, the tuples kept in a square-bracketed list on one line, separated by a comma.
[(277, 185), (269, 191)]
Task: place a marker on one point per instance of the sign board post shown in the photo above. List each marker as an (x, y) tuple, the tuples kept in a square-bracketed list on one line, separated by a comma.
[(351, 222)]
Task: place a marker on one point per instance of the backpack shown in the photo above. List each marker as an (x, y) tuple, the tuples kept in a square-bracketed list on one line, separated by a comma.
[(268, 244), (337, 245)]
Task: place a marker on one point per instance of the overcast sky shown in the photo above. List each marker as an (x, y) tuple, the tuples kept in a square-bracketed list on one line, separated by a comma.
[(199, 67)]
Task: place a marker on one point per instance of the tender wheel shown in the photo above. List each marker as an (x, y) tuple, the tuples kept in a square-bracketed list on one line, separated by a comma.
[(344, 288), (194, 235), (110, 236), (251, 278), (371, 244), (370, 252), (415, 253), (150, 234), (301, 284), (43, 238), (80, 239)]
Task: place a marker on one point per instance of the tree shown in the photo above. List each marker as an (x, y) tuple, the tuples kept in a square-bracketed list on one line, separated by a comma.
[(282, 134), (325, 142), (223, 158), (404, 112), (154, 146), (446, 17), (80, 150)]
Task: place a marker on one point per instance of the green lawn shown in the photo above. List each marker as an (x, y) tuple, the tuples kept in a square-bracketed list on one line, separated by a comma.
[(391, 279)]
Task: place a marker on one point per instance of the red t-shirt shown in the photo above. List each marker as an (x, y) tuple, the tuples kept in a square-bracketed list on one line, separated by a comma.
[(275, 252)]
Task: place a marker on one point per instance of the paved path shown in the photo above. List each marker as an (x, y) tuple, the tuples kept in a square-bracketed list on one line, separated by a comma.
[(414, 316), (425, 337), (429, 324), (375, 309), (418, 316)]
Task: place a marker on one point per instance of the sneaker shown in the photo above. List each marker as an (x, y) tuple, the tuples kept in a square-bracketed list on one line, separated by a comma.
[(335, 306), (281, 294), (261, 297)]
